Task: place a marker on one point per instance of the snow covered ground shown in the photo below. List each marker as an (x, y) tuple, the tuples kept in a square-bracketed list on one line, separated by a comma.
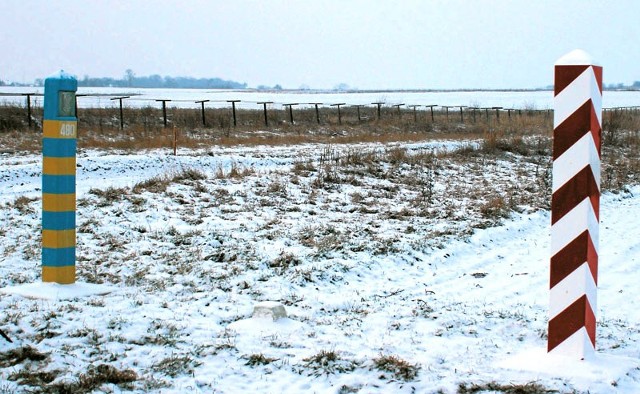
[(416, 267), (186, 98)]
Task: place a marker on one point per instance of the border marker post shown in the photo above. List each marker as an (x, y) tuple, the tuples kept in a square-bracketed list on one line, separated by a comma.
[(59, 143), (575, 204)]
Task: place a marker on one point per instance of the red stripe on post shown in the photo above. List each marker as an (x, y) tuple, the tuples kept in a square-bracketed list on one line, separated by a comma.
[(569, 321), (572, 256), (576, 189), (569, 74), (597, 70), (596, 130), (573, 128)]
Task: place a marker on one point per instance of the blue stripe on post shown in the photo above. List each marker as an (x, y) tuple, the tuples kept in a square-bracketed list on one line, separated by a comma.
[(58, 220), (58, 257), (58, 184), (52, 86), (59, 147)]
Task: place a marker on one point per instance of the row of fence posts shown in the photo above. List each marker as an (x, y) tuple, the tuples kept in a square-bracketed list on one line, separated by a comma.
[(289, 108)]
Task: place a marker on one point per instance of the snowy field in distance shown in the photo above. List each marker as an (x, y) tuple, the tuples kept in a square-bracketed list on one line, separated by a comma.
[(186, 97)]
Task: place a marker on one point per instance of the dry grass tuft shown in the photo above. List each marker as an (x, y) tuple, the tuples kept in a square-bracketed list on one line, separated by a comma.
[(29, 377), (93, 379), (23, 204), (175, 365), (493, 387), (157, 184), (399, 368), (18, 355), (259, 359), (328, 362)]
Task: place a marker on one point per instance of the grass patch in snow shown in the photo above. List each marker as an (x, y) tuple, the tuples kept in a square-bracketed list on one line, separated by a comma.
[(93, 379), (399, 368), (258, 359), (328, 362), (17, 356), (175, 365), (493, 387)]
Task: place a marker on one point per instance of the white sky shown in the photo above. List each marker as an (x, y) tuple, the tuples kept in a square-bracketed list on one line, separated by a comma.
[(366, 44)]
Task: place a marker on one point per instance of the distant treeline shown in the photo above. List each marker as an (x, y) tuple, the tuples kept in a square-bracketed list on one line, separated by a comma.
[(157, 81), (130, 80)]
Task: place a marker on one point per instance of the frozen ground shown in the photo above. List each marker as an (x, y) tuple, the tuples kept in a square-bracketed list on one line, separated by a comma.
[(404, 268)]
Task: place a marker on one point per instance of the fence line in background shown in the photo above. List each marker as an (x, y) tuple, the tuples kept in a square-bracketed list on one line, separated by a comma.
[(431, 110)]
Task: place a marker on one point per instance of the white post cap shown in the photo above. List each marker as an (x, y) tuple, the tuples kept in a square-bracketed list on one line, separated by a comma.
[(577, 57)]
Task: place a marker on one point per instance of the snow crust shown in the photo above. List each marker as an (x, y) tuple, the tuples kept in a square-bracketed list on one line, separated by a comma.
[(61, 75), (577, 57), (538, 364), (55, 291)]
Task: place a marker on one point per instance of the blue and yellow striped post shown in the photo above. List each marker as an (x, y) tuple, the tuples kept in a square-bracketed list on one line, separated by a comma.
[(59, 179)]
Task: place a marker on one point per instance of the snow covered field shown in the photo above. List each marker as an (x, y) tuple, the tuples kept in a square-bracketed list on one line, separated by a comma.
[(185, 98), (403, 268)]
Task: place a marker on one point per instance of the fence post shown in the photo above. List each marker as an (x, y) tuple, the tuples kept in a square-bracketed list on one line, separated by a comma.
[(446, 108), (204, 119), (175, 140), (509, 113), (317, 111), (461, 113), (264, 104), (415, 113), (486, 111), (121, 114), (398, 107), (339, 115), (497, 113), (473, 113), (575, 205), (431, 108), (233, 109), (290, 105), (358, 110), (28, 107), (164, 111), (379, 112)]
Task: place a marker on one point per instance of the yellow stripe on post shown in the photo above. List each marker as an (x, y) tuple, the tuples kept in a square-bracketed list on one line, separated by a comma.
[(59, 238), (59, 165), (59, 129), (64, 275), (52, 202)]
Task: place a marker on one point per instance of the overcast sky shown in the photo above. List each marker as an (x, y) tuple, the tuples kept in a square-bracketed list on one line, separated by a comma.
[(366, 44)]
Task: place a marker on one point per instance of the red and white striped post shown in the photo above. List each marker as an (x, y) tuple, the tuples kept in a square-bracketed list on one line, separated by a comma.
[(575, 205)]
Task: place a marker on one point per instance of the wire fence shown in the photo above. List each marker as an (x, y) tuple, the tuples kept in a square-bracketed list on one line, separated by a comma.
[(232, 113)]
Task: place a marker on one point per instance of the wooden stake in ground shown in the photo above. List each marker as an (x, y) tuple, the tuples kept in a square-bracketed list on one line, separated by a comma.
[(575, 205), (175, 141)]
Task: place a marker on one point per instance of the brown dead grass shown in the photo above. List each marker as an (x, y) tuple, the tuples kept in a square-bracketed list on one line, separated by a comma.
[(144, 129)]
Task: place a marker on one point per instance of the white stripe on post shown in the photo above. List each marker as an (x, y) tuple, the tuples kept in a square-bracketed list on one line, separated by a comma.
[(575, 205)]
